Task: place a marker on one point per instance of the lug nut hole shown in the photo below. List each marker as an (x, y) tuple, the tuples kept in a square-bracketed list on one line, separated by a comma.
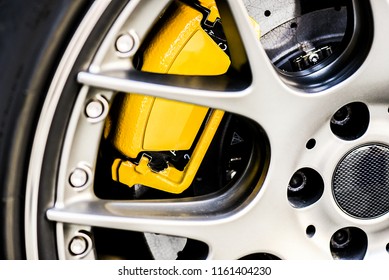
[(305, 188), (351, 121), (348, 244)]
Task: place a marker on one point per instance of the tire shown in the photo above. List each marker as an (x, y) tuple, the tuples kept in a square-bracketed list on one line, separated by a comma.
[(31, 45), (296, 148)]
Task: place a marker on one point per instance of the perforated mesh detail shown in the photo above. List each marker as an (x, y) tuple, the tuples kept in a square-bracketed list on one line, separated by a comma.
[(361, 182)]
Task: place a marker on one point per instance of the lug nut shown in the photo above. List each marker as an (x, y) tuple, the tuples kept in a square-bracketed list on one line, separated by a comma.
[(94, 109), (341, 239), (297, 182), (78, 245), (342, 116), (125, 43), (78, 178)]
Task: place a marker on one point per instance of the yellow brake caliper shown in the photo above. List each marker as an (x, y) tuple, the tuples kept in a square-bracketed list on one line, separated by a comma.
[(159, 139)]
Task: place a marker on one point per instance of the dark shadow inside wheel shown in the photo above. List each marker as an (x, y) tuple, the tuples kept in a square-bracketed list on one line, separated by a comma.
[(323, 43)]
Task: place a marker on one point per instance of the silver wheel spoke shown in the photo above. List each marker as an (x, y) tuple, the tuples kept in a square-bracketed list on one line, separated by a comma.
[(247, 49), (176, 219), (169, 87)]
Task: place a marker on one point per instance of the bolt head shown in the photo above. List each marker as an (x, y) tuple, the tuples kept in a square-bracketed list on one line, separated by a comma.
[(78, 178), (341, 239), (342, 116), (94, 109), (313, 58), (78, 245), (297, 182), (125, 43)]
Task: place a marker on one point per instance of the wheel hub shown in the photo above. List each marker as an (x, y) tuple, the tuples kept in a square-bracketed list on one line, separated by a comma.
[(361, 182)]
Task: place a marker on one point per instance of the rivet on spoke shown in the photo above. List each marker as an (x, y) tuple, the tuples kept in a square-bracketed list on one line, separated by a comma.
[(126, 44), (96, 109), (80, 244), (80, 176)]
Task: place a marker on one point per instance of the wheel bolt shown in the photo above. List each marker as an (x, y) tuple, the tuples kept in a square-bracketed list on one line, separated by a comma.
[(298, 182), (78, 178), (341, 239), (342, 116), (125, 43), (78, 245), (94, 109)]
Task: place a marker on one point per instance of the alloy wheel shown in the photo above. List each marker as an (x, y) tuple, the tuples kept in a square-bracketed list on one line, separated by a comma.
[(307, 107)]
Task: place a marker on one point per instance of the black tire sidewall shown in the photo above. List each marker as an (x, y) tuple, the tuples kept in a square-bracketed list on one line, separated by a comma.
[(33, 36)]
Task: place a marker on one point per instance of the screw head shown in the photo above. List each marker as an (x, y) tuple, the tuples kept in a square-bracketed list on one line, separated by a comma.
[(78, 178), (78, 245), (94, 109), (125, 43)]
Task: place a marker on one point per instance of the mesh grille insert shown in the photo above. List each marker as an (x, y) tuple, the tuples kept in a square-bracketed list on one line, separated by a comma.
[(361, 182)]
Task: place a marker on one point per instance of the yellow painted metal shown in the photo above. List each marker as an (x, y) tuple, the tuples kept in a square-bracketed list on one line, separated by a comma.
[(169, 180), (172, 126), (146, 123), (200, 55)]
